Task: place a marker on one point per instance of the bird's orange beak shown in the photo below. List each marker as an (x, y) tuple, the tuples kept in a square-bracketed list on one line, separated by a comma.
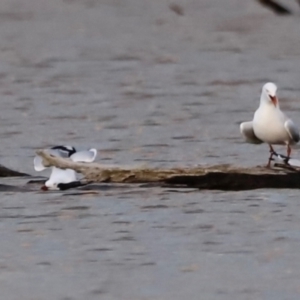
[(274, 100)]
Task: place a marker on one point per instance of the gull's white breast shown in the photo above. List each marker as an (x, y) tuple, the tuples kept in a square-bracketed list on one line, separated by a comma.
[(268, 125)]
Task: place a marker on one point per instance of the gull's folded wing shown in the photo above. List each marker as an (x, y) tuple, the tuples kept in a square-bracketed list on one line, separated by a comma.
[(246, 129), (292, 130)]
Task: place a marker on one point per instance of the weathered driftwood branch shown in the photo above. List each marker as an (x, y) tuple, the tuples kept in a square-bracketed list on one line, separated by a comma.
[(104, 173), (220, 177)]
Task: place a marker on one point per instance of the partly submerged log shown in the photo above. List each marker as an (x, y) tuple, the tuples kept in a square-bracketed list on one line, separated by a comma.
[(238, 180), (5, 172), (220, 177)]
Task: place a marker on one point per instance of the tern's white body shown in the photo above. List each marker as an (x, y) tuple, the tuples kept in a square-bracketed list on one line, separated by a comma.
[(60, 176)]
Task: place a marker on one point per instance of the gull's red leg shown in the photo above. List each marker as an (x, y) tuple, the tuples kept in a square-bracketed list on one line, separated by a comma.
[(289, 150), (270, 157)]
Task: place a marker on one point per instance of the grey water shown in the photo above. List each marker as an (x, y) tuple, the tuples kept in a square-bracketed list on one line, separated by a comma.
[(144, 85)]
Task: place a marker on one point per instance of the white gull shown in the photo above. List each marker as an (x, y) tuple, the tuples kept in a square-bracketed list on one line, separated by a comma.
[(270, 125)]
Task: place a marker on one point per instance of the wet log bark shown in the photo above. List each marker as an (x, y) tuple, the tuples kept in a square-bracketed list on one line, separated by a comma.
[(238, 181), (219, 177)]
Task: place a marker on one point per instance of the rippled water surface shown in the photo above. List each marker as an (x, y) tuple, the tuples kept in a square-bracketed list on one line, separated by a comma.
[(144, 85)]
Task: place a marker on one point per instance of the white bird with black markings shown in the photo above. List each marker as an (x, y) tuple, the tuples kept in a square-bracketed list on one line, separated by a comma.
[(59, 178), (270, 125)]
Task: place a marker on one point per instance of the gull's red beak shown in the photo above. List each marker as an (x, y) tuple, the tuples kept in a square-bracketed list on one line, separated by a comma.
[(274, 100)]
